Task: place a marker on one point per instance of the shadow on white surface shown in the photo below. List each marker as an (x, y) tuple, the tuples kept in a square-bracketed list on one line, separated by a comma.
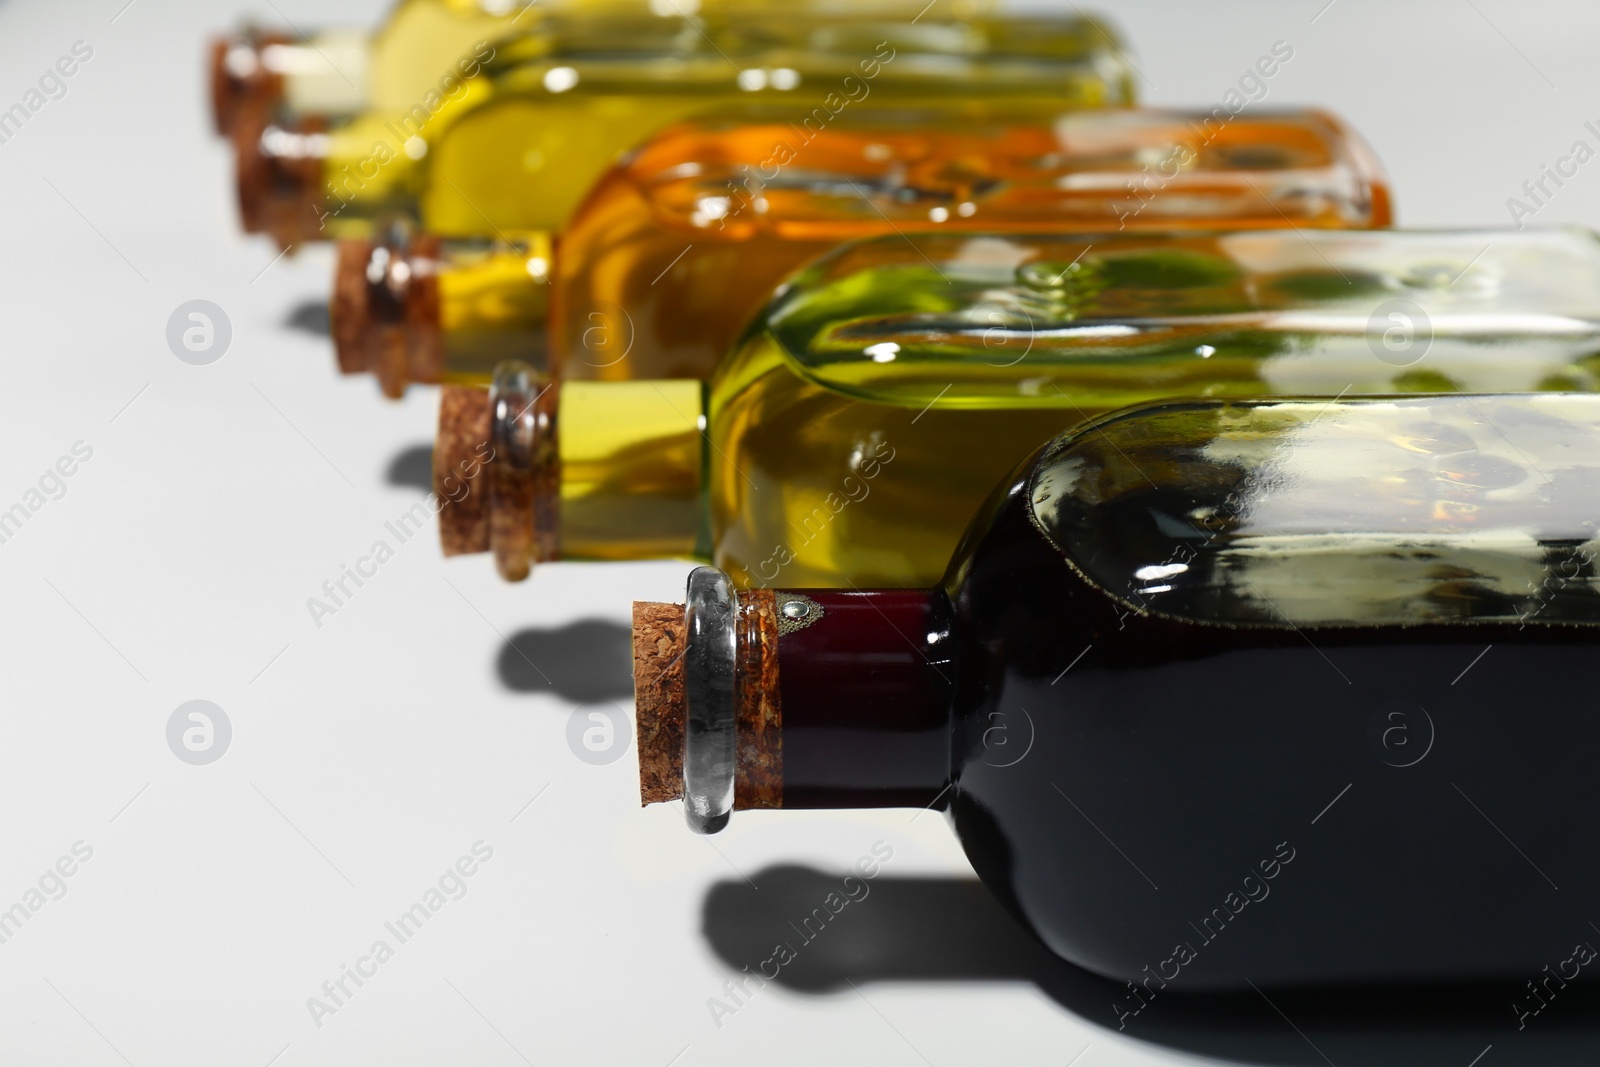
[(587, 662), (412, 468), (951, 930)]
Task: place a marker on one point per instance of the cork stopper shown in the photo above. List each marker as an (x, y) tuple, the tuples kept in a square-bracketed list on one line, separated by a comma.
[(241, 80), (347, 310), (659, 641), (279, 175), (660, 694), (384, 315), (497, 470), (461, 447)]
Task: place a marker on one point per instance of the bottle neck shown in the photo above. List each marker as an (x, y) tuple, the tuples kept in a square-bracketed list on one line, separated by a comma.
[(314, 178), (278, 168), (412, 307), (326, 74), (263, 70), (838, 699), (534, 471)]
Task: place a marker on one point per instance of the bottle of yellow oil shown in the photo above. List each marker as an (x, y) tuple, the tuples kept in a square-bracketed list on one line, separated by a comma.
[(516, 133), (872, 405), (336, 73)]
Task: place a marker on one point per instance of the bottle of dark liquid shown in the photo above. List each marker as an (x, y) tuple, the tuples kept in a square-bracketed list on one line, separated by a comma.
[(1283, 692)]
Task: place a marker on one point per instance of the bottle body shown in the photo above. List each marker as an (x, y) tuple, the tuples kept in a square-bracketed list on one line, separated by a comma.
[(881, 395), (515, 149), (560, 117), (1246, 650), (679, 244), (1234, 693)]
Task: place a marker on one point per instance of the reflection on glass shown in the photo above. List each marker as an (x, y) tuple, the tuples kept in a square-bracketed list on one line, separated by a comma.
[(1319, 513)]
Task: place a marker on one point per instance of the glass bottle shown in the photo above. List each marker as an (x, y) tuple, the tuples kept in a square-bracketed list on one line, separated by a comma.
[(875, 400), (514, 147), (1214, 692), (334, 74), (681, 241)]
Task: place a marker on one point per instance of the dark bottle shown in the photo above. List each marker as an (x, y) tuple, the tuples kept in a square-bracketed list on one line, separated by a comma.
[(1283, 692)]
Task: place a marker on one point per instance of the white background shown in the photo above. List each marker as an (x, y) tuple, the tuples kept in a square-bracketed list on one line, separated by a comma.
[(370, 753)]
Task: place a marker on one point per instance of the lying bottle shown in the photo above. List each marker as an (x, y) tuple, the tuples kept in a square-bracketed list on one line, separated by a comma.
[(682, 241), (882, 392), (515, 146), (1215, 693), (335, 74)]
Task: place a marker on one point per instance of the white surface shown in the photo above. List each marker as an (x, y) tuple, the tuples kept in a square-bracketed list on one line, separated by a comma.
[(377, 749)]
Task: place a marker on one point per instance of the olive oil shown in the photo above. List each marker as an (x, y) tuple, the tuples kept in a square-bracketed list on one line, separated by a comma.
[(334, 74), (944, 361), (886, 388)]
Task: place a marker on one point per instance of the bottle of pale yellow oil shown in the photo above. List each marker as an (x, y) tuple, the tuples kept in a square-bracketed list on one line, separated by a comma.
[(336, 73), (874, 403), (513, 136)]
